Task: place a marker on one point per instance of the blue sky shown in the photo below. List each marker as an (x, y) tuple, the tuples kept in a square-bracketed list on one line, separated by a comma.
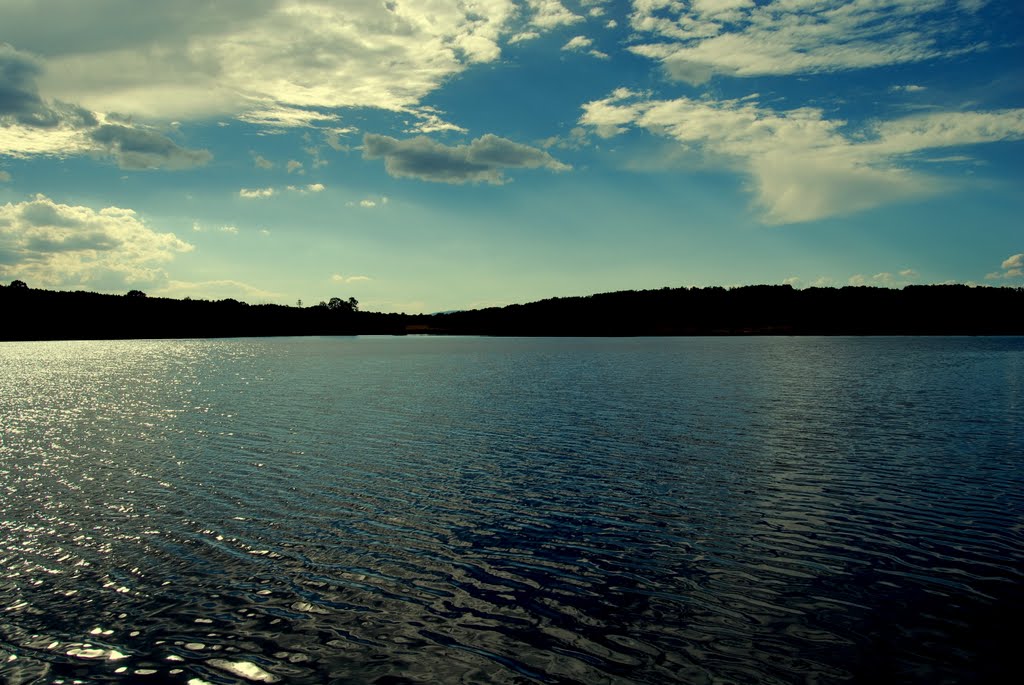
[(437, 155)]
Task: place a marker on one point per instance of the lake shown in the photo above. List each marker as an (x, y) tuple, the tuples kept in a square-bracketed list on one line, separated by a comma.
[(485, 510)]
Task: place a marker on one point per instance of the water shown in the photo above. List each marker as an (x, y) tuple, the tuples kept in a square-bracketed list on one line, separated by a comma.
[(465, 510)]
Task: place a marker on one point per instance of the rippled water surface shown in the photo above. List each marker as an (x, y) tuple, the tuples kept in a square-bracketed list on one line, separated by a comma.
[(448, 510)]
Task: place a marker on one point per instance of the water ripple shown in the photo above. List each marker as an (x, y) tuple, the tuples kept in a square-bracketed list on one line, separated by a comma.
[(511, 511)]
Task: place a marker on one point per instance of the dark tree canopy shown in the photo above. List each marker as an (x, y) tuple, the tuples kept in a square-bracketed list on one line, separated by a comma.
[(19, 284), (135, 293)]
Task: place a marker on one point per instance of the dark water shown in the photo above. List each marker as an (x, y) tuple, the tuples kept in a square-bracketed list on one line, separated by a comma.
[(421, 510)]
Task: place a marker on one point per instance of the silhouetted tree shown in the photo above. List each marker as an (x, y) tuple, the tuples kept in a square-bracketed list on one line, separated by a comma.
[(339, 305), (19, 284), (135, 293)]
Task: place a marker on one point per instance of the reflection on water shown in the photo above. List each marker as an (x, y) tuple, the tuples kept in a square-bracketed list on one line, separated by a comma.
[(380, 510)]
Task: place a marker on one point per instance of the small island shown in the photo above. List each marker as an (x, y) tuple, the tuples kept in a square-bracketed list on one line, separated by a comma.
[(37, 314)]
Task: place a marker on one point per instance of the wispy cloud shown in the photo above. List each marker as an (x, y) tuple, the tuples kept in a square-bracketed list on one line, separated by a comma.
[(338, 278), (256, 193), (805, 166), (215, 290), (307, 189), (583, 44), (885, 279), (741, 38), (262, 162)]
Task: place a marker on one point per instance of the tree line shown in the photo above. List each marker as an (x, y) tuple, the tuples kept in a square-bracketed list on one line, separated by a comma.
[(36, 314)]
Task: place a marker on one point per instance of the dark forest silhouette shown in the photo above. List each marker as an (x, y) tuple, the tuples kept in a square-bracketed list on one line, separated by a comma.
[(33, 314)]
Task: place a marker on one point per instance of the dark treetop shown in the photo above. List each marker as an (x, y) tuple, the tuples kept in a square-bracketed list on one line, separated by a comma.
[(32, 314)]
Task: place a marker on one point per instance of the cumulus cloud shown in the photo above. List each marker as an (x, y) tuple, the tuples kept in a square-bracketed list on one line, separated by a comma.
[(196, 58), (482, 160), (256, 193), (803, 165), (230, 230), (550, 14), (1013, 267), (262, 162), (54, 245), (742, 38), (294, 167)]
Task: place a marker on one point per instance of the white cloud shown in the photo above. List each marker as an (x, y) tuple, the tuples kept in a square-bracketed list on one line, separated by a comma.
[(230, 230), (53, 245), (523, 36), (369, 202), (277, 118), (803, 165), (550, 14), (482, 160), (578, 43), (908, 88), (306, 189), (256, 193), (581, 44), (1014, 261), (742, 38), (294, 166), (276, 63), (885, 279), (1013, 267), (338, 278), (262, 162)]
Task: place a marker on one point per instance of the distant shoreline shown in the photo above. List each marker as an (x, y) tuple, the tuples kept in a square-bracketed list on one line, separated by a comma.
[(766, 310)]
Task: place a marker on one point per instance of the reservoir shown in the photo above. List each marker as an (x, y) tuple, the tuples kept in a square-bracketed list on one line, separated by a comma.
[(401, 510)]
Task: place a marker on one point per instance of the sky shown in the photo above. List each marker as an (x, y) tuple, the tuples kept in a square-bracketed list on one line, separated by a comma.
[(452, 154)]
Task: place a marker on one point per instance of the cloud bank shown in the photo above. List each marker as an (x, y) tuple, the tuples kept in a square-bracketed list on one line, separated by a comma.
[(31, 125)]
